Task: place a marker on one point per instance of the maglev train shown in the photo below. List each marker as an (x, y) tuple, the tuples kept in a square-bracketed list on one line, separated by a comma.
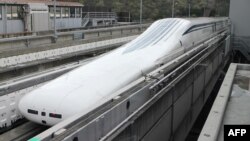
[(88, 87)]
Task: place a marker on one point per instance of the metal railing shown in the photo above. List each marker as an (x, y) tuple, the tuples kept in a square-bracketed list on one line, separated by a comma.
[(87, 16), (85, 20), (99, 15)]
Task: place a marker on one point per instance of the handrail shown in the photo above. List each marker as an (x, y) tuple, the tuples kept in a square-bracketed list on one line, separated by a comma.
[(97, 15), (93, 15), (85, 20)]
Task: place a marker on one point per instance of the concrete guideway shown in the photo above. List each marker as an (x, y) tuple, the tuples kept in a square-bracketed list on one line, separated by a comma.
[(22, 132), (53, 54), (68, 38)]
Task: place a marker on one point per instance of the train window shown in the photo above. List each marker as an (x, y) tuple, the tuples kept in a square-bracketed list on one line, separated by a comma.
[(55, 115), (198, 27), (32, 111), (58, 12), (78, 12), (72, 12)]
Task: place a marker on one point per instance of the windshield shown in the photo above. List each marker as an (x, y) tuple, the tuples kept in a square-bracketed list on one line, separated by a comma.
[(154, 34)]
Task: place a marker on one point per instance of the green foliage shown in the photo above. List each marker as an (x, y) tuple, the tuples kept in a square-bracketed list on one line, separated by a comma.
[(156, 9)]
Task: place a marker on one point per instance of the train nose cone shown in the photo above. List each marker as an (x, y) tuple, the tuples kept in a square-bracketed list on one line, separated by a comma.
[(25, 104), (25, 107), (22, 106), (32, 111)]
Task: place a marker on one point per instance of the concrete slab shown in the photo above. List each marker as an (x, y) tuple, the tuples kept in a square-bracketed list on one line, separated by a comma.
[(231, 105)]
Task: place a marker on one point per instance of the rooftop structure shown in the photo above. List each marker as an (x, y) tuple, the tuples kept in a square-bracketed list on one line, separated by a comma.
[(239, 10), (47, 2), (24, 16), (18, 16)]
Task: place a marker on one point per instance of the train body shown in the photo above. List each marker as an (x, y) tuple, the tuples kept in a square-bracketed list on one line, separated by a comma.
[(91, 85)]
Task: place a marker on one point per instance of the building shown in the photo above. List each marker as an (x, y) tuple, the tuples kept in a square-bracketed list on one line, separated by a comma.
[(18, 16), (239, 15)]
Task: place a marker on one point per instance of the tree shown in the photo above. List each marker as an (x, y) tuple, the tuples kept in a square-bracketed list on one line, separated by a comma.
[(157, 9)]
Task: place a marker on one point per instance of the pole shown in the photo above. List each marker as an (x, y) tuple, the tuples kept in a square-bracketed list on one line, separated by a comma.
[(205, 9), (55, 32), (129, 17), (173, 8), (189, 8), (141, 12)]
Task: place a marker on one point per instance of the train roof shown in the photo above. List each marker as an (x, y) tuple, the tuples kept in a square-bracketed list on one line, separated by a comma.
[(201, 20)]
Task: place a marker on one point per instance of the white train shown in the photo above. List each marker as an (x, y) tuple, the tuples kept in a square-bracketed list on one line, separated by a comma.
[(89, 86)]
